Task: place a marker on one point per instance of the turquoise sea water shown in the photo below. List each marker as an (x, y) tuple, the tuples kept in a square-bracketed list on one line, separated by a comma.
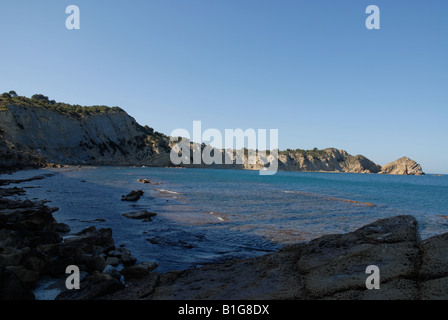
[(209, 215)]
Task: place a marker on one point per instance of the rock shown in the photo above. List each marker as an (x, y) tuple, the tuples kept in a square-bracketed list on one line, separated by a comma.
[(132, 196), (113, 261), (101, 138), (96, 264), (11, 288), (330, 267), (138, 271), (435, 257), (44, 238), (113, 272), (7, 238), (25, 275), (144, 288), (90, 239), (141, 214), (95, 286), (402, 166), (144, 180), (10, 256), (62, 228), (36, 260), (58, 266), (124, 255)]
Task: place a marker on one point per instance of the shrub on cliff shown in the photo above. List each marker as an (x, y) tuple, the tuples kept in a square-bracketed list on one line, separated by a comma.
[(42, 101)]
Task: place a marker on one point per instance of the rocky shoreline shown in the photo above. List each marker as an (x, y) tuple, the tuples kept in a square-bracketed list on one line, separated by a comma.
[(34, 245)]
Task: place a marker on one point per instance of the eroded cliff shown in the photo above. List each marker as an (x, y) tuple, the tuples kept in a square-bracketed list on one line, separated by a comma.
[(35, 133)]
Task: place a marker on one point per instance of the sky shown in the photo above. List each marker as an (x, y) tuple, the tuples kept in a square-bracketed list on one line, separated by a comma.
[(310, 69)]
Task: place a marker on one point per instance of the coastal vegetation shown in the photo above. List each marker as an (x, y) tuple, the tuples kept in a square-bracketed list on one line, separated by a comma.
[(42, 101), (315, 153)]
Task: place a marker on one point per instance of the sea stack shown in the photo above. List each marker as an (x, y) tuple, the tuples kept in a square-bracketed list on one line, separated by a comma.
[(403, 166)]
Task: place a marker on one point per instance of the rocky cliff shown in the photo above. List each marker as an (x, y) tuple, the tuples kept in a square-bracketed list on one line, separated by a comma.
[(46, 135), (38, 132), (403, 166), (329, 159)]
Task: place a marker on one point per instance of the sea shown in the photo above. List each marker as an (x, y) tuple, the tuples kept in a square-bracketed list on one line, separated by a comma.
[(212, 215)]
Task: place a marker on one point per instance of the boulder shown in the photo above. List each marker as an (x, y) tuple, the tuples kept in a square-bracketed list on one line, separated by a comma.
[(95, 286), (402, 166), (141, 214), (10, 256), (138, 271), (132, 196), (91, 240), (11, 288), (124, 255)]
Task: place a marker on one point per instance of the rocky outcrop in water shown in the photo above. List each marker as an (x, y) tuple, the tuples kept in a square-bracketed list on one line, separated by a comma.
[(403, 166)]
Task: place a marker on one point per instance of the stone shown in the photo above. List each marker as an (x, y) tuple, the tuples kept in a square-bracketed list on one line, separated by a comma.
[(62, 228), (132, 196), (141, 214), (138, 271), (402, 166), (113, 261), (124, 255), (11, 288), (95, 286), (435, 257), (90, 238), (113, 272), (96, 264), (25, 275), (58, 266), (10, 256)]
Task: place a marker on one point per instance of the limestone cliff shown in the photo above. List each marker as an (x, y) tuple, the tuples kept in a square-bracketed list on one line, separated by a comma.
[(45, 135), (403, 166), (329, 159), (36, 132)]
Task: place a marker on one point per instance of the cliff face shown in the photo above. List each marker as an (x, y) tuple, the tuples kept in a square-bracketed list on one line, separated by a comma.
[(99, 139), (403, 166), (34, 135), (329, 159)]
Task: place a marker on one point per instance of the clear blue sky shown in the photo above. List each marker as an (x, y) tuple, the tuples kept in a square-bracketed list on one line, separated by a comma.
[(308, 68)]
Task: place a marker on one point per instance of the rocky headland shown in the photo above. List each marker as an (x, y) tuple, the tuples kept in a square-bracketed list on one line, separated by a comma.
[(402, 166), (38, 133)]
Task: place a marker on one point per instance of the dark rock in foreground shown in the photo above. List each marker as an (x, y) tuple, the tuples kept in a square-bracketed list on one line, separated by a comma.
[(330, 267), (32, 246)]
